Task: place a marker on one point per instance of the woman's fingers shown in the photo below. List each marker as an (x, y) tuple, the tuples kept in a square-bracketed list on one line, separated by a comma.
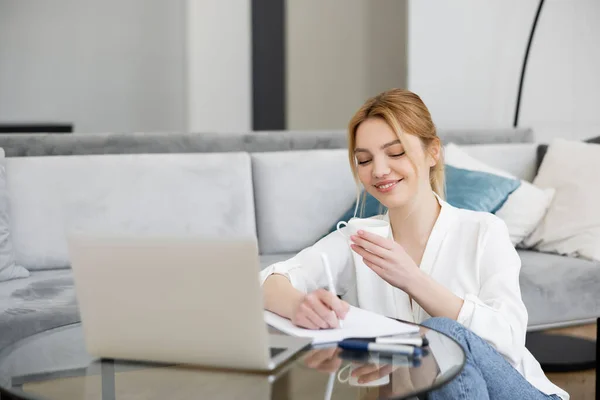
[(324, 360), (379, 373), (368, 256), (303, 322), (317, 357), (322, 309), (378, 240), (364, 370), (330, 365), (313, 317), (334, 303), (376, 268), (371, 247)]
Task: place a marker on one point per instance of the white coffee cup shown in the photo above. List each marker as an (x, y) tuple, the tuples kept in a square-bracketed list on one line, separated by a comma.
[(353, 380), (376, 226)]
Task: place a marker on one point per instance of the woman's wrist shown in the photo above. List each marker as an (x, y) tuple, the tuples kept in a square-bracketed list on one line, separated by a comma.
[(280, 296), (433, 297), (414, 281)]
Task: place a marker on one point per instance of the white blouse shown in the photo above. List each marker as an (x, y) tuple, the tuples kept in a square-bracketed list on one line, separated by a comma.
[(469, 252)]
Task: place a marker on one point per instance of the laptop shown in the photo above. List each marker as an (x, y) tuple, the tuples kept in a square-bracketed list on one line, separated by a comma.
[(175, 300)]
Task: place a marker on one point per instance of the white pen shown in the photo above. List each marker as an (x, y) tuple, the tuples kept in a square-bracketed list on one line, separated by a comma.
[(330, 279), (412, 341)]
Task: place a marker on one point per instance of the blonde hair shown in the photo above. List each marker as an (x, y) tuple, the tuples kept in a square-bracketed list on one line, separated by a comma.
[(405, 113)]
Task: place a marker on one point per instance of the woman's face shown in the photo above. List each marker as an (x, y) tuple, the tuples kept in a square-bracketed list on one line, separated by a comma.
[(384, 168)]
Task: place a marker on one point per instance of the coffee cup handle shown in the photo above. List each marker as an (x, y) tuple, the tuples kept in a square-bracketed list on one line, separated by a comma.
[(339, 374), (338, 228)]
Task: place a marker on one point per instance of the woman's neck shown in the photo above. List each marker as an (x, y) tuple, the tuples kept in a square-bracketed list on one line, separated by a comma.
[(413, 223)]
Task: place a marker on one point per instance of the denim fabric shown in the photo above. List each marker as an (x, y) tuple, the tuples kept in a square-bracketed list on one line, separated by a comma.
[(486, 375)]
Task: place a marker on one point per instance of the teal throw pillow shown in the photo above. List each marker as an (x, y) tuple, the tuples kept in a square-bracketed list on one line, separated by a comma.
[(476, 190)]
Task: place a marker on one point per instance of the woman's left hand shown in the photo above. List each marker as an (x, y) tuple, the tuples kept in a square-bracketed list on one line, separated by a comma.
[(386, 258)]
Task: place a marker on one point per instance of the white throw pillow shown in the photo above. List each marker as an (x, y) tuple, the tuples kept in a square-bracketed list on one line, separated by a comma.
[(523, 209), (572, 224)]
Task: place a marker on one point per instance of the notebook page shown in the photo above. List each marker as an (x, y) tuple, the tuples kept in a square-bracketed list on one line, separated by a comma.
[(358, 323)]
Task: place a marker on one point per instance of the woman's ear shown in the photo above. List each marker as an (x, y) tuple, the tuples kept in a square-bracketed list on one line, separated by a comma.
[(435, 149)]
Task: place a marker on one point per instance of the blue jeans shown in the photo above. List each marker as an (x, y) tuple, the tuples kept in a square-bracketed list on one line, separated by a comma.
[(486, 375)]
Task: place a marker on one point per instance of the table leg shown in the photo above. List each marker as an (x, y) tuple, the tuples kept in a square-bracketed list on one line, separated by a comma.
[(107, 370)]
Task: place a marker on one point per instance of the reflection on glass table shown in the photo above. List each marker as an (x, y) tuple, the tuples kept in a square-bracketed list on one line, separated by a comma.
[(55, 365)]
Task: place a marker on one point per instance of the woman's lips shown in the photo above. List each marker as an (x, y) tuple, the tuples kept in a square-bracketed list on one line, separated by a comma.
[(387, 186)]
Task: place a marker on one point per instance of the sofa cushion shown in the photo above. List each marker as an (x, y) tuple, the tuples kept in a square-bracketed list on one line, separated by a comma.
[(517, 159), (477, 190), (180, 194), (9, 269), (299, 195), (572, 224), (43, 301), (558, 289), (526, 206), (542, 149)]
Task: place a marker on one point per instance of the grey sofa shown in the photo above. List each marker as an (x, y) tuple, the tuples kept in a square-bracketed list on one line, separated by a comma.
[(287, 188)]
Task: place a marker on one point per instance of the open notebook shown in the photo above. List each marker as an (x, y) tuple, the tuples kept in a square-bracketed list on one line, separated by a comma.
[(358, 323)]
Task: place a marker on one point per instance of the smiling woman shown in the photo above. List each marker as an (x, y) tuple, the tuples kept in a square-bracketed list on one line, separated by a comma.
[(450, 269), (401, 120)]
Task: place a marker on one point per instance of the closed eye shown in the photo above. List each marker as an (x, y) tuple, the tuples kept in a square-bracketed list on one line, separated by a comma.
[(391, 155), (397, 155)]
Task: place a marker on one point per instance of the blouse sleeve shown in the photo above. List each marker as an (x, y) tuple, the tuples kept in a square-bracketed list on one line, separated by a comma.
[(306, 271), (497, 313)]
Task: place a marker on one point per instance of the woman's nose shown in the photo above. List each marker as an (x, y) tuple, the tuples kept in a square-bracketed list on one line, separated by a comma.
[(380, 169)]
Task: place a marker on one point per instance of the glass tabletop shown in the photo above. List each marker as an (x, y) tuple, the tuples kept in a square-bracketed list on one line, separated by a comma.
[(55, 365)]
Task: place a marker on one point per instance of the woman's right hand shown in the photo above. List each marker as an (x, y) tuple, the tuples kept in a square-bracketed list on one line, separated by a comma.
[(319, 310)]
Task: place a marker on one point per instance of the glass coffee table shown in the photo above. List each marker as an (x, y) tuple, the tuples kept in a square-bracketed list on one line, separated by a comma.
[(55, 365)]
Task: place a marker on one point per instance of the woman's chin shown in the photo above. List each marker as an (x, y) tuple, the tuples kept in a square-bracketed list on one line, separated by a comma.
[(391, 201)]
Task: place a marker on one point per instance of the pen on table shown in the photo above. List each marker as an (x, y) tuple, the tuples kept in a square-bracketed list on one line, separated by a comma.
[(411, 341), (363, 345), (418, 341), (330, 279)]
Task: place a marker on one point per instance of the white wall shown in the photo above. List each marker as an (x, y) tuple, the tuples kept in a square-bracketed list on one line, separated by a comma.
[(465, 57), (219, 71), (561, 95), (102, 65), (151, 65), (338, 53)]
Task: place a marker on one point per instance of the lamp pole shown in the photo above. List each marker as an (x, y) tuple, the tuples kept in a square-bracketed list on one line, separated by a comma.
[(535, 21)]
